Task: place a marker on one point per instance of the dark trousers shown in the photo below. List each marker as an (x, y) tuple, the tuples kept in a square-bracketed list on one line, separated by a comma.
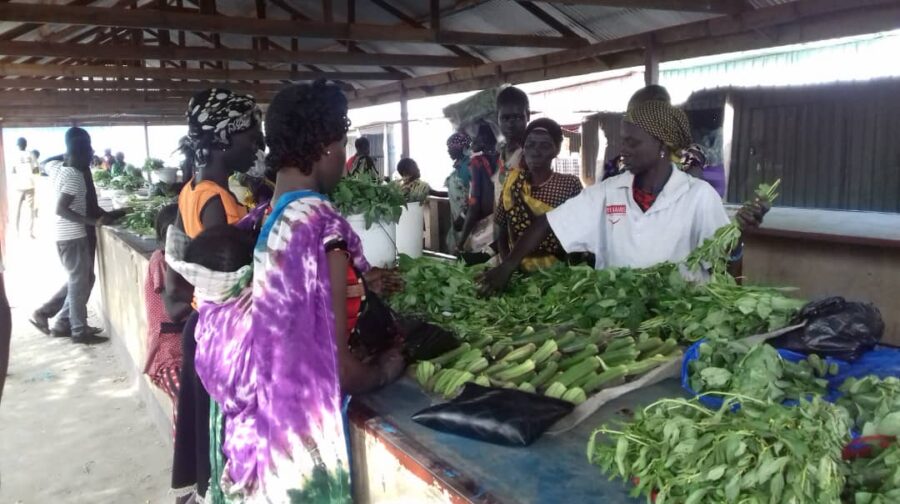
[(53, 307), (190, 464)]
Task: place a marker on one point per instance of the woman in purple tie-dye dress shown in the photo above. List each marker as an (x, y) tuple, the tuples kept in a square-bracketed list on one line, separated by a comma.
[(278, 361)]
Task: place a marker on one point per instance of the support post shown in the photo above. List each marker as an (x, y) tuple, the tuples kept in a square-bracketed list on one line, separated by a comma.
[(404, 122), (651, 62), (147, 139)]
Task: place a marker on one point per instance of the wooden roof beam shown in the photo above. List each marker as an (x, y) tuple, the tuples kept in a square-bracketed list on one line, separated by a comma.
[(272, 55), (411, 21), (708, 6), (122, 72), (167, 20), (107, 85)]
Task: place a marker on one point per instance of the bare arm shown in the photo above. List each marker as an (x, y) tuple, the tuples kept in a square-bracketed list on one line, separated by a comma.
[(496, 279), (64, 210), (438, 194), (503, 242), (356, 377)]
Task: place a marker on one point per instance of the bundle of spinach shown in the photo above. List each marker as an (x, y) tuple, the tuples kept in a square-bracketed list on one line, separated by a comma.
[(141, 218), (756, 371), (765, 453), (128, 182), (151, 164), (102, 178), (875, 479), (715, 252), (376, 201), (873, 403)]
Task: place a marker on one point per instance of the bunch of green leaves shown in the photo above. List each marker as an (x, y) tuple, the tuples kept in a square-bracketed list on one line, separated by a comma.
[(129, 182), (764, 453), (582, 296), (102, 178), (876, 479), (376, 201), (151, 164), (715, 252), (756, 371), (141, 219), (873, 403)]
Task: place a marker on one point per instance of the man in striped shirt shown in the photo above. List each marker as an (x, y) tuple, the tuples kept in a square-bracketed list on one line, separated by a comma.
[(72, 242)]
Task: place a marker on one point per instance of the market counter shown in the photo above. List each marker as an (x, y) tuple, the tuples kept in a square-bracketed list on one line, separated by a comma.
[(396, 459)]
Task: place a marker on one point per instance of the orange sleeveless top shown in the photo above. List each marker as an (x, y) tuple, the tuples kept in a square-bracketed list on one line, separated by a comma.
[(194, 197)]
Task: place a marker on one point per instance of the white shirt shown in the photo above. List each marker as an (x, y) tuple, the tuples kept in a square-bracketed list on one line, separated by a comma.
[(25, 168), (605, 220), (68, 180)]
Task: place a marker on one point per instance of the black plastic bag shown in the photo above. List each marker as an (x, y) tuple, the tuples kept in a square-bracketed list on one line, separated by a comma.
[(507, 417), (424, 341), (376, 328), (835, 328)]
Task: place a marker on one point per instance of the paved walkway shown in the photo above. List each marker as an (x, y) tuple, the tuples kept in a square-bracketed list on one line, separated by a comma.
[(72, 428)]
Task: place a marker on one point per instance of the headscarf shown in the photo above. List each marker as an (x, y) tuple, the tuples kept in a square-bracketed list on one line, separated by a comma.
[(214, 116), (664, 122), (694, 154), (462, 141)]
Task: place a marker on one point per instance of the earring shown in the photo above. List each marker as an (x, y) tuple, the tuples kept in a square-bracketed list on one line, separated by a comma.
[(662, 154), (328, 153)]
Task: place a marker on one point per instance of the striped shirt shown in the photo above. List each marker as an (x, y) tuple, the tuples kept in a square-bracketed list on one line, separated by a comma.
[(68, 180)]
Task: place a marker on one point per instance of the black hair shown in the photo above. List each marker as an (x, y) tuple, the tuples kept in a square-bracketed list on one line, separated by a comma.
[(165, 218), (653, 92), (552, 127), (221, 248), (512, 96), (75, 134), (361, 143), (22, 143), (485, 137), (405, 164), (36, 153), (301, 121)]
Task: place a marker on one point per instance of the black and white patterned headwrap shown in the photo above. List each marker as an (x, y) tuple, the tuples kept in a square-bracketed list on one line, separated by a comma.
[(214, 116), (664, 122)]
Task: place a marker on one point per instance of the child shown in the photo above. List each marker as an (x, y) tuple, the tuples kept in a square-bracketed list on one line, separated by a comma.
[(163, 363)]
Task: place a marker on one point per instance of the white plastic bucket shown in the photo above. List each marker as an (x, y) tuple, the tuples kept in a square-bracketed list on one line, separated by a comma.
[(379, 241), (411, 230)]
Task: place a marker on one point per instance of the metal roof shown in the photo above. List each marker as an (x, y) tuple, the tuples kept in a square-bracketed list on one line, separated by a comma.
[(478, 43)]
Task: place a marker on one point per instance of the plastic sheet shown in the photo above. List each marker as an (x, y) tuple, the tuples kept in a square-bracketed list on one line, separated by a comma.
[(835, 328), (500, 416), (424, 341)]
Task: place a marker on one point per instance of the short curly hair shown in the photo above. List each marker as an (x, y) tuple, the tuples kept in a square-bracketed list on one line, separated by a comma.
[(301, 121), (550, 126)]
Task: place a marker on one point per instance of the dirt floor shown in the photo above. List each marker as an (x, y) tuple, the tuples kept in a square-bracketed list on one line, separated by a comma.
[(72, 427)]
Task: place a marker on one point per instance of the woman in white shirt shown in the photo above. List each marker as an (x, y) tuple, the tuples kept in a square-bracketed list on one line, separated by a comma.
[(650, 214)]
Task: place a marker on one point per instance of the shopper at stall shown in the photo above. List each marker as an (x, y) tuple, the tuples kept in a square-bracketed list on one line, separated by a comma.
[(411, 183), (24, 169), (76, 252), (224, 135), (477, 233), (458, 186), (513, 114), (362, 162), (163, 363), (651, 214), (284, 431), (530, 194), (118, 165)]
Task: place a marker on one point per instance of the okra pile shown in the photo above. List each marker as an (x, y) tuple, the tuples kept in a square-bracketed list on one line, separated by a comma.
[(757, 371), (568, 366), (764, 453)]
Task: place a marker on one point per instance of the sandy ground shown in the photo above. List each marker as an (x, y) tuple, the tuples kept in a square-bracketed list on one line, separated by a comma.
[(72, 427)]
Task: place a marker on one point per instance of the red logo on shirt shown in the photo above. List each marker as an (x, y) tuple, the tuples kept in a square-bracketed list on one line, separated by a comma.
[(615, 213)]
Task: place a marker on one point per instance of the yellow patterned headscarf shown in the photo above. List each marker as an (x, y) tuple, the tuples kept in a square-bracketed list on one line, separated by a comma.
[(664, 122)]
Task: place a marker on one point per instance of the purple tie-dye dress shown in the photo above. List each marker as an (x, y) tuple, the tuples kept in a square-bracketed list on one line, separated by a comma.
[(269, 359)]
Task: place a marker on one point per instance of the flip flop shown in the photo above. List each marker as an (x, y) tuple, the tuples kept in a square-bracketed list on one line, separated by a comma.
[(44, 328)]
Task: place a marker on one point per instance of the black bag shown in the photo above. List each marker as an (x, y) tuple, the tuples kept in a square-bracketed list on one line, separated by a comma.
[(376, 328), (835, 328), (424, 341), (507, 417)]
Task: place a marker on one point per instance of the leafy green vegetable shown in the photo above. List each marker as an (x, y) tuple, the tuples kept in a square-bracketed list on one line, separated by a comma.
[(374, 200), (129, 182), (755, 371), (875, 480), (141, 219), (872, 401), (102, 178), (765, 453), (153, 164)]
